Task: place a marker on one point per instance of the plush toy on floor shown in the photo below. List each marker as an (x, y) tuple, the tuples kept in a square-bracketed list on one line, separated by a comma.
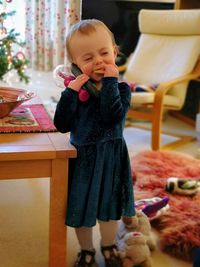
[(134, 250), (138, 223), (135, 240), (182, 186)]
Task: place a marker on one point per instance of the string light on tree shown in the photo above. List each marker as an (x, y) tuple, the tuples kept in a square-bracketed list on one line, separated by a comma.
[(9, 59)]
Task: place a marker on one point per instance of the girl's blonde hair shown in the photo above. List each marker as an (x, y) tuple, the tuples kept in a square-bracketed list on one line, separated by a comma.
[(85, 27)]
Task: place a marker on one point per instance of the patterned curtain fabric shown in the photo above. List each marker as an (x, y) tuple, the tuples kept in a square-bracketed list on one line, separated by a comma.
[(47, 22)]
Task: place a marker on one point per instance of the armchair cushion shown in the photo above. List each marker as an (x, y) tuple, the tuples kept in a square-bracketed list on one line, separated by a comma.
[(160, 58), (164, 22), (148, 98)]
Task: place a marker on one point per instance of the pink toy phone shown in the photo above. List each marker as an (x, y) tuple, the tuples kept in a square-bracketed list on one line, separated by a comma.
[(89, 85)]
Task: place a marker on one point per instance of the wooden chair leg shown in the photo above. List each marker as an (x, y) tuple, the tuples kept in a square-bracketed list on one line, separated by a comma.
[(156, 129)]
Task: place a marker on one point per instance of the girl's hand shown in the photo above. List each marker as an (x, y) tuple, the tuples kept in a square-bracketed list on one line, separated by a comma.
[(111, 70), (78, 82)]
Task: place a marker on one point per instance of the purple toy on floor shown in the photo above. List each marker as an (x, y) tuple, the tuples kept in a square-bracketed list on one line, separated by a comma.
[(153, 207)]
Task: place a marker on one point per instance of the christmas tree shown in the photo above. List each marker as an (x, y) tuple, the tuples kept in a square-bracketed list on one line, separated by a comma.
[(9, 59)]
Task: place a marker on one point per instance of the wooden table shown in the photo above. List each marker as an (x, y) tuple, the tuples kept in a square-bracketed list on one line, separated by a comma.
[(35, 155)]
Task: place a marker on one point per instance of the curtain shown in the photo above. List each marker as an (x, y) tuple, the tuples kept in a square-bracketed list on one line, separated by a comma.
[(47, 23)]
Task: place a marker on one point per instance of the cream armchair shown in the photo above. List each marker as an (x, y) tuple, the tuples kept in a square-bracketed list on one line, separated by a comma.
[(167, 54)]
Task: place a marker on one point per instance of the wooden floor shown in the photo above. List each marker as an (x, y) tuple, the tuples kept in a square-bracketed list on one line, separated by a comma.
[(24, 228)]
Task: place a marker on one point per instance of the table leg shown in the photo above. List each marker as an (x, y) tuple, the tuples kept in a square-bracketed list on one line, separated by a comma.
[(58, 201)]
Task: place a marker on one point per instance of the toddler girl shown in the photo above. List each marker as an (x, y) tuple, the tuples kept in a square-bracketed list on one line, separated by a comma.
[(100, 183)]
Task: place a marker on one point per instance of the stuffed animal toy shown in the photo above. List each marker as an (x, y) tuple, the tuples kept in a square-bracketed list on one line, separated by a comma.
[(134, 251), (136, 88), (182, 186), (138, 223)]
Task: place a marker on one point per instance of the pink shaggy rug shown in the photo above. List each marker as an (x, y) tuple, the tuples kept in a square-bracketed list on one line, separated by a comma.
[(180, 226)]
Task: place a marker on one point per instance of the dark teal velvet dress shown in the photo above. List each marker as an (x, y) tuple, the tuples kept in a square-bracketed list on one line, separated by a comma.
[(100, 183)]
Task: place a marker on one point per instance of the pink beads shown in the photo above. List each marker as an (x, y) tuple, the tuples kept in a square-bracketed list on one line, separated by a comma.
[(68, 79), (83, 95)]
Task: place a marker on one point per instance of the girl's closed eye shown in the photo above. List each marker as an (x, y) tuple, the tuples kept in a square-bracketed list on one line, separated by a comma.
[(87, 59), (105, 53)]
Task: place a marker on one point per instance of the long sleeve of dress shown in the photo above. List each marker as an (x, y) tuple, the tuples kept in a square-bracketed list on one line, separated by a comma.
[(114, 103), (66, 110)]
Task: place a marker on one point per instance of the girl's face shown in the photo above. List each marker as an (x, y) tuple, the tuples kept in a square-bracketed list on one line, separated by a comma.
[(91, 52)]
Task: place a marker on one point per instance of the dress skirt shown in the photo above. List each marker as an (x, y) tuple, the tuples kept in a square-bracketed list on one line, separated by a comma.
[(100, 184)]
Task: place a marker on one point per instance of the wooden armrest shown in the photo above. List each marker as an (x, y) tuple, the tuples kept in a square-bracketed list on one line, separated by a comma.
[(166, 86)]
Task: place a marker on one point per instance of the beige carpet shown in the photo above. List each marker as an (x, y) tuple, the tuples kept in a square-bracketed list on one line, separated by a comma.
[(140, 139), (24, 228)]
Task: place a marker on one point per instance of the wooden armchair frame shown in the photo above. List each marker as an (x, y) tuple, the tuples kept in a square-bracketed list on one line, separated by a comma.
[(157, 108)]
